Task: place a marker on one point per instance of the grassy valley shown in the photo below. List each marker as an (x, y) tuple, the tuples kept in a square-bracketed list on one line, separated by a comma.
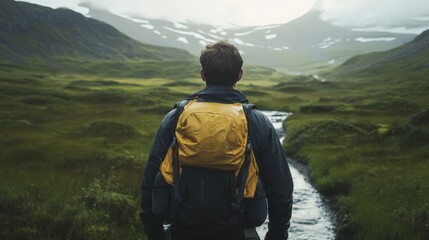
[(74, 146), (77, 123), (364, 135), (72, 152), (79, 104)]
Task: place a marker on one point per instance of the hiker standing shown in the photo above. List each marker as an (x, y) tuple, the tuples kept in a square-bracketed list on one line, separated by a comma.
[(216, 162)]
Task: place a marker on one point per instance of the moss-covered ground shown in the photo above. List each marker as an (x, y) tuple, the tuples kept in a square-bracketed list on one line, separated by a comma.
[(74, 140), (366, 143)]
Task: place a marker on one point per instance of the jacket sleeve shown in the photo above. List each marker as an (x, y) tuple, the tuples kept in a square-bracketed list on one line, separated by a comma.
[(152, 226), (275, 174)]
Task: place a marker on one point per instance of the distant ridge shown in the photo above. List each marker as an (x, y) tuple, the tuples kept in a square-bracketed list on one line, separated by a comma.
[(307, 42), (413, 56), (33, 31)]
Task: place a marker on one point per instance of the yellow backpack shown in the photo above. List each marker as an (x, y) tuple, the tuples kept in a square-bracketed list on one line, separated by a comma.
[(214, 136), (208, 180)]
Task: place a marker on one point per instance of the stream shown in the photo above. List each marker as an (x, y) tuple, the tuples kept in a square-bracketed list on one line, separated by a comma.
[(311, 218)]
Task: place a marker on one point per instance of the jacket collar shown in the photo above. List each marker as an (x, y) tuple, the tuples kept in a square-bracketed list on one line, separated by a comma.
[(219, 94)]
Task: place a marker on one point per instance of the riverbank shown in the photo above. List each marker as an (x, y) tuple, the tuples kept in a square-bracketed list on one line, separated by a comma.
[(375, 174), (311, 216), (326, 202), (74, 146)]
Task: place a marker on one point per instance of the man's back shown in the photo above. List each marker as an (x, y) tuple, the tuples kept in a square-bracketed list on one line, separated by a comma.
[(273, 171), (209, 151)]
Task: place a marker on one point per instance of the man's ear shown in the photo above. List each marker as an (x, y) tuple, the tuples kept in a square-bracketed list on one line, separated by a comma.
[(202, 75), (240, 75)]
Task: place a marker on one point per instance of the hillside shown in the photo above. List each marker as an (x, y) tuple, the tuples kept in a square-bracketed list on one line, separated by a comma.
[(410, 57), (303, 45), (33, 31), (364, 134)]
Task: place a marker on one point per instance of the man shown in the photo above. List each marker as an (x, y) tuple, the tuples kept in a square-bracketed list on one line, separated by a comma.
[(221, 69)]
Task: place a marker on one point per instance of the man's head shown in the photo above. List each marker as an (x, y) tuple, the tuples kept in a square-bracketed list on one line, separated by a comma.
[(221, 64)]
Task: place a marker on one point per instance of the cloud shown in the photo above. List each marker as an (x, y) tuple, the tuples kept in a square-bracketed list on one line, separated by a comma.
[(220, 12), (361, 13), (70, 4), (357, 13)]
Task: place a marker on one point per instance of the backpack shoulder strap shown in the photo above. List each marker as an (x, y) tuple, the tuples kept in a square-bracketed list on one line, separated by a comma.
[(244, 171), (249, 106), (179, 106)]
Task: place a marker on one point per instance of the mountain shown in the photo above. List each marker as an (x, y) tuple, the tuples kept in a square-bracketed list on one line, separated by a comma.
[(305, 43), (33, 31), (411, 57)]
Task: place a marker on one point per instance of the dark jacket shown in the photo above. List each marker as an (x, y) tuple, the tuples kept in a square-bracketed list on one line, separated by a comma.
[(273, 167)]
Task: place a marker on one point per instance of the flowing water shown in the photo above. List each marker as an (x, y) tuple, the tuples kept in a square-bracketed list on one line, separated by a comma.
[(311, 218)]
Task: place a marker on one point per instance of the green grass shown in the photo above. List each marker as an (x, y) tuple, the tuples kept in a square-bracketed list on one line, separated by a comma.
[(365, 141), (74, 140), (71, 159), (75, 137)]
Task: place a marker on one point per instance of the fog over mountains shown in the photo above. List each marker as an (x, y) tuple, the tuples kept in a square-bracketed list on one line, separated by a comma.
[(325, 37), (394, 15), (305, 43), (38, 32)]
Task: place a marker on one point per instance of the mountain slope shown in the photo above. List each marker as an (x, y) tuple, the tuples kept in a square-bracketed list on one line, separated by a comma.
[(305, 43), (411, 57), (32, 31)]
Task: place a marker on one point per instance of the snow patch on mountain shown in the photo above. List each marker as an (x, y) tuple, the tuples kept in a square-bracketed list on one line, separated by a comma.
[(243, 33), (136, 20), (267, 27), (221, 31), (183, 39), (180, 25), (148, 26), (328, 42), (404, 30), (210, 34), (215, 30), (384, 39), (270, 36), (241, 42), (194, 34)]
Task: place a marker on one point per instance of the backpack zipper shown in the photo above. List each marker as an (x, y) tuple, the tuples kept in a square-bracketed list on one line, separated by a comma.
[(202, 193)]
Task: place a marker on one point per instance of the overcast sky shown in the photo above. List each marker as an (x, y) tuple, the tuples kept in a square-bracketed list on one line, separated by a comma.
[(260, 12)]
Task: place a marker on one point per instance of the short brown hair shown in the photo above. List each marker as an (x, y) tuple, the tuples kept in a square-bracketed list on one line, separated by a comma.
[(221, 63)]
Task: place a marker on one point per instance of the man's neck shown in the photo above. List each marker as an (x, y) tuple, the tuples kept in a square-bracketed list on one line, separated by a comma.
[(220, 86)]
